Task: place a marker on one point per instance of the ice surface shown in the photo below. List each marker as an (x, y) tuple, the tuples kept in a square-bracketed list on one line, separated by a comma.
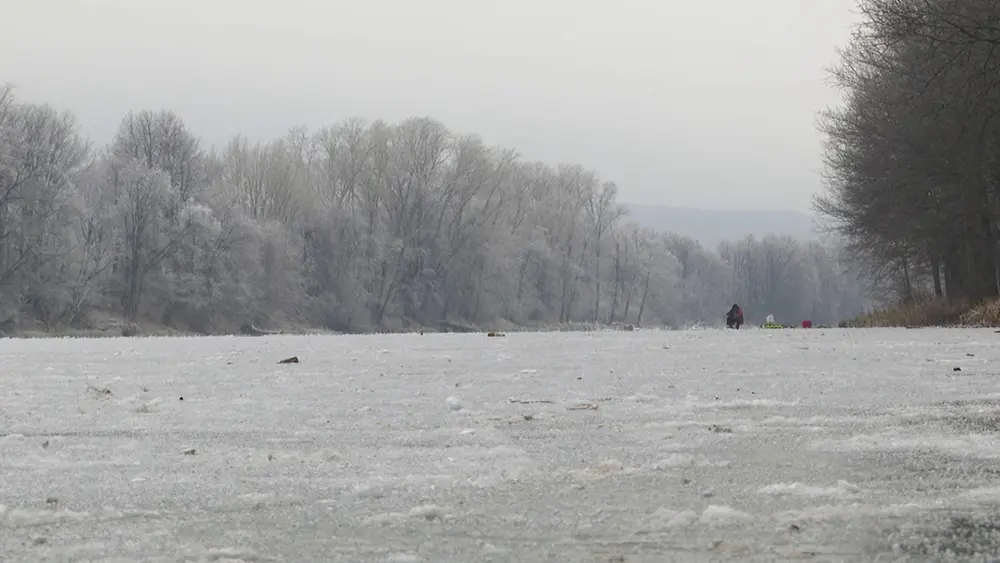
[(706, 445)]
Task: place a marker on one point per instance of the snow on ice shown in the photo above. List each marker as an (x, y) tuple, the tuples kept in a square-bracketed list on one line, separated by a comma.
[(701, 445)]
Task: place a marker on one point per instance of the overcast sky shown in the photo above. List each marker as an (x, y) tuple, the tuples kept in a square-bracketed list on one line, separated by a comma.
[(681, 102)]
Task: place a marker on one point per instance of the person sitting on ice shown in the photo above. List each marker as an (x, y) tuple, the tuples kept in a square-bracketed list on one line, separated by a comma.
[(734, 318)]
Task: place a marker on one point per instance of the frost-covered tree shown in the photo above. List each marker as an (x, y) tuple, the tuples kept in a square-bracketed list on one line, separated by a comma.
[(911, 154), (357, 226)]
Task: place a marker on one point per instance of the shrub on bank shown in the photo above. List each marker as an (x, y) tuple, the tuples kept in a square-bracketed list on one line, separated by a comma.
[(933, 312), (985, 314)]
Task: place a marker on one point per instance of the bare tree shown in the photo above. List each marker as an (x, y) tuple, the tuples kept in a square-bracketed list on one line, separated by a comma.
[(145, 198), (161, 141), (384, 226), (602, 213), (911, 160), (265, 180), (41, 158)]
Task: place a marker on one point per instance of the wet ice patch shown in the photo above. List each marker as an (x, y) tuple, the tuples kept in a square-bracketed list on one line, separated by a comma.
[(848, 512), (665, 518), (385, 519), (681, 460), (24, 517), (99, 392), (428, 512), (681, 424), (981, 446), (257, 498), (490, 550), (403, 558), (598, 471), (58, 462), (712, 516), (497, 465), (719, 515), (368, 491), (751, 403), (643, 398), (697, 402), (143, 404), (284, 455), (842, 489), (228, 554), (962, 537), (983, 494), (13, 440), (821, 421)]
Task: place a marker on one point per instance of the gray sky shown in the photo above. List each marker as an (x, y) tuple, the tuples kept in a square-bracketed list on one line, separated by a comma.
[(681, 102)]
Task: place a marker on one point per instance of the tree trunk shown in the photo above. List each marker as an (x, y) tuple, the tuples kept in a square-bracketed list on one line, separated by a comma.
[(628, 297), (936, 273), (597, 276), (134, 286), (642, 303)]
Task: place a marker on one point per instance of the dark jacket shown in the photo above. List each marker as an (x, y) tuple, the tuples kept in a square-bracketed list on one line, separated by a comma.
[(735, 316)]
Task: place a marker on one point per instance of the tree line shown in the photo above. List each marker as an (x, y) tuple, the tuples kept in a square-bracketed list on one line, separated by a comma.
[(912, 156), (358, 226)]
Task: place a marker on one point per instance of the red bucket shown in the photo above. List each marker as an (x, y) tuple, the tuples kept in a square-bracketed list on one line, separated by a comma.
[(807, 324)]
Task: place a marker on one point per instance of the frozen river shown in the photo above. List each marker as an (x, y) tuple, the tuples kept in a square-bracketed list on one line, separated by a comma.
[(797, 445)]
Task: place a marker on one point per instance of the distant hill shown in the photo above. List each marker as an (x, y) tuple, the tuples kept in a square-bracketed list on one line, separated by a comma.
[(712, 226)]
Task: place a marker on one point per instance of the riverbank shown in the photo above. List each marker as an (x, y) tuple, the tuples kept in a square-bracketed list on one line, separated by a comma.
[(108, 325), (932, 312)]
